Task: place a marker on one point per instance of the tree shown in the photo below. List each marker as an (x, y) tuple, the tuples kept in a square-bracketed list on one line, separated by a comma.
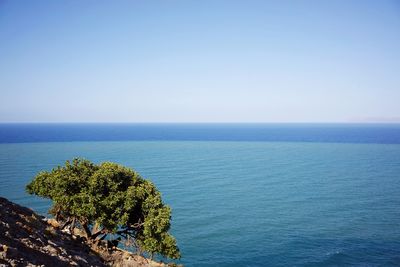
[(108, 200)]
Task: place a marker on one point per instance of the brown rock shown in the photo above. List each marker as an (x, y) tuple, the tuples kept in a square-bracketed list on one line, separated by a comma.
[(53, 223), (29, 240)]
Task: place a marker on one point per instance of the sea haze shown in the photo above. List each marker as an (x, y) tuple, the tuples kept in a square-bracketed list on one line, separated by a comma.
[(242, 194)]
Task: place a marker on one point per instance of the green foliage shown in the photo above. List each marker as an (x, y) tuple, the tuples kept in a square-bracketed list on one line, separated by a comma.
[(108, 199)]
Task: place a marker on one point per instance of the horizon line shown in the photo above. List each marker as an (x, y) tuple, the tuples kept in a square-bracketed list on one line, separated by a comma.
[(205, 122)]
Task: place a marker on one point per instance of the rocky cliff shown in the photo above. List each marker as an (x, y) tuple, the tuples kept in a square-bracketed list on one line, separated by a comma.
[(27, 239)]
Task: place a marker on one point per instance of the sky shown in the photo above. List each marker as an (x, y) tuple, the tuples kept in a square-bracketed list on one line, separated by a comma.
[(199, 61)]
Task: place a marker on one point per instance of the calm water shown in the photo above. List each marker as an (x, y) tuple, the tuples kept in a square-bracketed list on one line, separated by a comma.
[(314, 195)]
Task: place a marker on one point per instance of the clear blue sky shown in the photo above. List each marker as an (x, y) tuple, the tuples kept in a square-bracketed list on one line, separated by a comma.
[(199, 61)]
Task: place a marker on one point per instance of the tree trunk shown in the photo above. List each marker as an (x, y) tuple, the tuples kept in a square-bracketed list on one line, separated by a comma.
[(67, 222), (85, 227)]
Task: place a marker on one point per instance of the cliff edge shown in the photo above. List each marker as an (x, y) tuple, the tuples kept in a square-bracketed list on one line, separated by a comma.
[(28, 239)]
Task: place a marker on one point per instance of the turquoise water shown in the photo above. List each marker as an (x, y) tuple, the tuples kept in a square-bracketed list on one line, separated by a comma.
[(251, 203)]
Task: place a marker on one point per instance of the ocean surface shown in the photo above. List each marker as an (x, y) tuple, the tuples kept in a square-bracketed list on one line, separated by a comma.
[(242, 194)]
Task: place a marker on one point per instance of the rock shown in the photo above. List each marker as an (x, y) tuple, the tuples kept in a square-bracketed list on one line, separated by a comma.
[(51, 250), (53, 223), (27, 239)]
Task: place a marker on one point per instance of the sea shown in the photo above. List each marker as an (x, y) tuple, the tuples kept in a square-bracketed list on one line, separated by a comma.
[(241, 194)]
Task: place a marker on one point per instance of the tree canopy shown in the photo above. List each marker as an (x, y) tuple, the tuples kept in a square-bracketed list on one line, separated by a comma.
[(108, 200)]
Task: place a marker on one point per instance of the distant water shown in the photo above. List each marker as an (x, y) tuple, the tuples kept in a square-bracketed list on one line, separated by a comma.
[(242, 195), (333, 133)]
